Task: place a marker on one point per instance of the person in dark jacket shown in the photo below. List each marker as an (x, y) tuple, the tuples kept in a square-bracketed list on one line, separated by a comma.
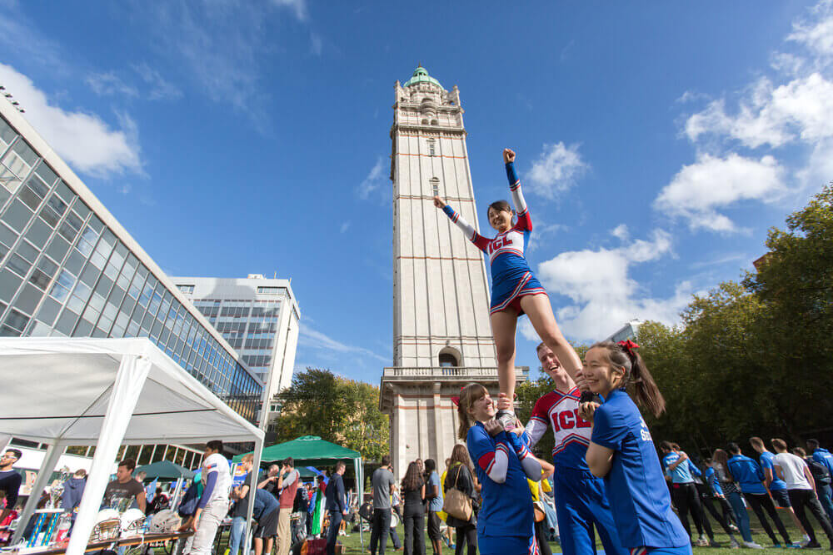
[(459, 477), (334, 496), (73, 491)]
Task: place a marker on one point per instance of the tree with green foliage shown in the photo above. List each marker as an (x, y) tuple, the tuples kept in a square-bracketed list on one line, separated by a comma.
[(336, 409), (754, 358)]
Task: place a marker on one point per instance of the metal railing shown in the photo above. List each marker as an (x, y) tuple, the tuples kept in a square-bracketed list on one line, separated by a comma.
[(447, 372)]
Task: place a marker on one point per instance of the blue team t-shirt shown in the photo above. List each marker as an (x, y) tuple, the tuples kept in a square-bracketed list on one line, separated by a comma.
[(748, 474), (507, 508), (436, 504), (639, 499), (766, 462), (824, 457), (713, 482), (682, 473)]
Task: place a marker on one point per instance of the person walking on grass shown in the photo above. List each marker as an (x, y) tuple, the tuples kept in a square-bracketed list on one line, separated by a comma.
[(384, 484), (680, 472), (434, 496), (335, 505), (750, 477), (802, 491), (777, 488), (825, 491)]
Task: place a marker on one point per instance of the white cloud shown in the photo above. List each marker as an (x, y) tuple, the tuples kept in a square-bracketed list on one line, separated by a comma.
[(793, 107), (298, 7), (160, 88), (222, 45), (700, 189), (603, 295), (816, 33), (309, 337), (556, 170), (692, 96), (109, 84), (82, 139), (345, 226), (819, 168), (620, 232), (374, 181), (316, 44)]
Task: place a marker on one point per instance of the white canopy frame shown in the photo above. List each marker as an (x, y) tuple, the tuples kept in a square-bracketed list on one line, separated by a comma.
[(106, 392)]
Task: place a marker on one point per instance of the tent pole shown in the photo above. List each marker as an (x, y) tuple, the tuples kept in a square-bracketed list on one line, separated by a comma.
[(360, 490), (250, 509), (127, 387), (50, 461)]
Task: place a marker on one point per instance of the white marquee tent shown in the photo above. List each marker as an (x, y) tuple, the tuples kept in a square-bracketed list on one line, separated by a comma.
[(105, 392)]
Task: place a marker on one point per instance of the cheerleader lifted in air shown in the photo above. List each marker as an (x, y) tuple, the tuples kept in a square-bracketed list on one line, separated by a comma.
[(515, 289)]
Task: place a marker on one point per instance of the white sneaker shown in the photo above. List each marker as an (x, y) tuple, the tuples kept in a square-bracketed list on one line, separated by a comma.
[(702, 541), (753, 545), (507, 419)]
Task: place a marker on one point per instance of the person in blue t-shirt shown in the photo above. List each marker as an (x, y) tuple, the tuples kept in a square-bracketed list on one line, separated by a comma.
[(824, 491), (749, 476), (505, 523), (776, 486), (623, 453), (681, 472)]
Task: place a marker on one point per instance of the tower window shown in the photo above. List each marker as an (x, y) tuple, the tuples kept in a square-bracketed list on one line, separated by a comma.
[(447, 360), (432, 148), (435, 186)]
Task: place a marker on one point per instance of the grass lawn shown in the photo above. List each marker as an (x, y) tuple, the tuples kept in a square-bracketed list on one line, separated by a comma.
[(353, 544)]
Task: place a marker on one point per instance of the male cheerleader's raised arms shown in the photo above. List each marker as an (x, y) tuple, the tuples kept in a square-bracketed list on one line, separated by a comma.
[(515, 289)]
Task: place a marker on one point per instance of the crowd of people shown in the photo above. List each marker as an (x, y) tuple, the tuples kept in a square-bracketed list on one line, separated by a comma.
[(605, 477), (794, 481)]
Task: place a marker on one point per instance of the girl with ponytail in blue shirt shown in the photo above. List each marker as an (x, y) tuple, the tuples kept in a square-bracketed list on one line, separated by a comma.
[(622, 451)]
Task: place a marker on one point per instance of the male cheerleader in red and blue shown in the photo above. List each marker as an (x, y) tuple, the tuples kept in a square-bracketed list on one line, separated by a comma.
[(622, 452), (580, 498), (515, 289), (505, 523)]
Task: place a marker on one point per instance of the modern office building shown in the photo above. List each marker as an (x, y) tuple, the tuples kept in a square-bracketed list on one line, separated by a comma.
[(68, 268), (259, 319), (442, 338), (628, 331)]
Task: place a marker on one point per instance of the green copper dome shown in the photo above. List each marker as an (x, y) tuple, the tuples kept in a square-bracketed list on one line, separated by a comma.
[(421, 76)]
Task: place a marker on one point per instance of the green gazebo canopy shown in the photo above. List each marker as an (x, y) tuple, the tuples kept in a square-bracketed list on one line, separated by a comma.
[(310, 450), (165, 470)]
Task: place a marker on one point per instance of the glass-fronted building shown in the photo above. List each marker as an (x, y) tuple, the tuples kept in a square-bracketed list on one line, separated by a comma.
[(259, 318), (68, 268)]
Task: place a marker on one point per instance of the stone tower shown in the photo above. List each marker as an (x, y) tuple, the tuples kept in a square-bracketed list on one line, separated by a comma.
[(442, 338)]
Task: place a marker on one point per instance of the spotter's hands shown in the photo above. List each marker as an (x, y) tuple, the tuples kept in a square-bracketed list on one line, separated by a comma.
[(439, 203), (508, 155), (494, 427)]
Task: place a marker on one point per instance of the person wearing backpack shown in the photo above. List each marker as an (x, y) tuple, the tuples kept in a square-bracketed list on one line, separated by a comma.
[(801, 486), (823, 478), (459, 478), (824, 457)]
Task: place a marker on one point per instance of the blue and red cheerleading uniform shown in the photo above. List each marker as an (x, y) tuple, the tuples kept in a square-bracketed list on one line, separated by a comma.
[(511, 275), (580, 498), (505, 523)]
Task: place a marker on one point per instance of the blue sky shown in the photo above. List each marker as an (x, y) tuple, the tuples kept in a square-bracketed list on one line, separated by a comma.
[(657, 141)]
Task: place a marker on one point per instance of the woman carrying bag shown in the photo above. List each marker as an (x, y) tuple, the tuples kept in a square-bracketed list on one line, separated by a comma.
[(459, 491)]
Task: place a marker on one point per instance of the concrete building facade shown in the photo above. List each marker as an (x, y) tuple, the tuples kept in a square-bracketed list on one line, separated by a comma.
[(442, 337), (259, 317)]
